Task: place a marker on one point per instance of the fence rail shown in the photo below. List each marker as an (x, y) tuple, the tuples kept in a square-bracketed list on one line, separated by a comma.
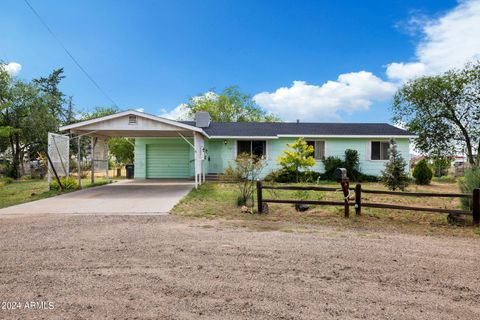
[(358, 204)]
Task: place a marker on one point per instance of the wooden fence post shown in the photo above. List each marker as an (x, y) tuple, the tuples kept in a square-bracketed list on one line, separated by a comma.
[(476, 206), (259, 196), (358, 199)]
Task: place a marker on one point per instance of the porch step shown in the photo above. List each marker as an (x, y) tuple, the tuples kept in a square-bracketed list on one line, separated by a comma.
[(213, 177)]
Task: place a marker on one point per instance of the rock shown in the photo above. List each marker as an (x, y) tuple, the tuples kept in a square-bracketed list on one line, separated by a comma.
[(456, 219), (245, 209), (302, 207)]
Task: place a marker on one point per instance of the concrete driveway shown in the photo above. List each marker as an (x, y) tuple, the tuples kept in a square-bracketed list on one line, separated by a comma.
[(124, 197)]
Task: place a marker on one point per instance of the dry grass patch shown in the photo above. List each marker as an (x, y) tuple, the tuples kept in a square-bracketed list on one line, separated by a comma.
[(217, 201)]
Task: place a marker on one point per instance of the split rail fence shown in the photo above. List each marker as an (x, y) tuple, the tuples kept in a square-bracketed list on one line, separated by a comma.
[(359, 204)]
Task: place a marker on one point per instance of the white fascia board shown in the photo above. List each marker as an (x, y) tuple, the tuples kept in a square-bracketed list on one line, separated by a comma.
[(345, 136), (245, 137), (136, 113)]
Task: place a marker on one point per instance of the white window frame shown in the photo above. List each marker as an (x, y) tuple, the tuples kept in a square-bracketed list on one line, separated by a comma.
[(316, 146), (265, 153), (371, 149)]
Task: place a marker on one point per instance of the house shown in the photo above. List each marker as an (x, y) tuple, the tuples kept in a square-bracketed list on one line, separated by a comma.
[(166, 148)]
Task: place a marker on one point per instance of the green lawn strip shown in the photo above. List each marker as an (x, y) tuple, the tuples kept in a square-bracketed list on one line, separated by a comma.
[(22, 191)]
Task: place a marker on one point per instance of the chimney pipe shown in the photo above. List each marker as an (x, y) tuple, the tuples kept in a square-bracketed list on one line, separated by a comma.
[(298, 120)]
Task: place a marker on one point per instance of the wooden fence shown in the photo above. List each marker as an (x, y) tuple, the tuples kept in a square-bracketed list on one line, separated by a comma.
[(358, 204)]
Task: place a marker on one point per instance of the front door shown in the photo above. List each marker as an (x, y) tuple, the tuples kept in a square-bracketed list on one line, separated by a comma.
[(215, 161)]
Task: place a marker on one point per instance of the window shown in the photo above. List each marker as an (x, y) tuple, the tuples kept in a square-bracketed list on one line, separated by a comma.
[(319, 149), (257, 148), (379, 150), (132, 119)]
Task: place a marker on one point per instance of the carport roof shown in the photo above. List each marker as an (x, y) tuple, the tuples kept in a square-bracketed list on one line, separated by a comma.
[(144, 125)]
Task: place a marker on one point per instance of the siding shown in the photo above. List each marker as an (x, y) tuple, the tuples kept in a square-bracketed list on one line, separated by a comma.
[(333, 147)]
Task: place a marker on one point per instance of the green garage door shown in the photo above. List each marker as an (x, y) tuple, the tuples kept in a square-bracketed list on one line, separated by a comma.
[(168, 160)]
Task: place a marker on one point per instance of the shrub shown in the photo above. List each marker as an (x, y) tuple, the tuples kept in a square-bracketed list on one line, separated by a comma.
[(394, 176), (286, 176), (330, 164), (440, 165), (5, 181), (470, 181), (352, 164), (245, 173), (422, 173), (69, 183)]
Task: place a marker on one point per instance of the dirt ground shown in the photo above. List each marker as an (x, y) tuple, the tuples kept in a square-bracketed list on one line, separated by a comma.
[(168, 267)]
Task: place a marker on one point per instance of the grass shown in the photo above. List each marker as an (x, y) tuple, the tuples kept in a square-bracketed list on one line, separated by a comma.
[(217, 201), (21, 191)]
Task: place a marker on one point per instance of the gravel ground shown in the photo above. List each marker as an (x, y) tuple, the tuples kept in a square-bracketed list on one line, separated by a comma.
[(166, 267)]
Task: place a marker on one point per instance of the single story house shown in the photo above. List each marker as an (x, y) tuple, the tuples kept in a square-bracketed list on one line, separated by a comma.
[(167, 148)]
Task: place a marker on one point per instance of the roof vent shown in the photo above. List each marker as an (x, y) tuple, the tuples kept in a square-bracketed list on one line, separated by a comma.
[(202, 119), (132, 119), (298, 120)]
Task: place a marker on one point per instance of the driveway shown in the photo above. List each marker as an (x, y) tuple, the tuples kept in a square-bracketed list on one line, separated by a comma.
[(124, 197)]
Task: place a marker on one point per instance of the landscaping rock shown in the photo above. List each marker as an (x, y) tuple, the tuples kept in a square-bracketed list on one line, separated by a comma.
[(302, 207)]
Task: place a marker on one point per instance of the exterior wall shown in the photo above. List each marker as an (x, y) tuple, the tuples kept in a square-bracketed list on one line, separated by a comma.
[(333, 147), (227, 152)]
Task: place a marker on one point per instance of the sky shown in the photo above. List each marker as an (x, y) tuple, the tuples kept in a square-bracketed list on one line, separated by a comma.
[(326, 61)]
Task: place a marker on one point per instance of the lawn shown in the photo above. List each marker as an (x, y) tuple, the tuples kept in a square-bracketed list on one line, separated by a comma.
[(21, 191), (218, 201)]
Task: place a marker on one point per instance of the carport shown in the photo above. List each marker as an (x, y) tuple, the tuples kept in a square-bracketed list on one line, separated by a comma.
[(162, 160)]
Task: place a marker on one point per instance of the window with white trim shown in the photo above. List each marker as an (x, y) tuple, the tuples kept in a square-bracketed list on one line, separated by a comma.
[(318, 148), (379, 150), (255, 148)]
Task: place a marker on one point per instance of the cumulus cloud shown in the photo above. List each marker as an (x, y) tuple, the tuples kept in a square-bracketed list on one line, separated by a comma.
[(181, 112), (178, 113), (140, 109), (447, 42), (13, 68), (351, 92)]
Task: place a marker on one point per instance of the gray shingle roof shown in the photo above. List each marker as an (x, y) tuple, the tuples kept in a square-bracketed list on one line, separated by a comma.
[(266, 129)]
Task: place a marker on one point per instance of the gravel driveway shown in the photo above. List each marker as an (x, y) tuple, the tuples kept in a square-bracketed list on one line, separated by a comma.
[(170, 268)]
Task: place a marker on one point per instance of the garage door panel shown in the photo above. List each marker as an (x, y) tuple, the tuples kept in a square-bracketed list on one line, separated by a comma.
[(168, 160)]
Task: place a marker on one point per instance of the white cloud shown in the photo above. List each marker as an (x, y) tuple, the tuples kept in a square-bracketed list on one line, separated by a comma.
[(405, 71), (351, 92), (448, 42), (13, 68), (178, 113), (140, 109), (181, 112)]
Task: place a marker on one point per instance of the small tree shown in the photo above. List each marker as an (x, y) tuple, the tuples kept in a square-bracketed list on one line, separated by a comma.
[(297, 159), (422, 173), (394, 176), (245, 173), (440, 165), (352, 164)]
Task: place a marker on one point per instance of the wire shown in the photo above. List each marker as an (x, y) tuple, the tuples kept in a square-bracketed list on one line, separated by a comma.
[(69, 54)]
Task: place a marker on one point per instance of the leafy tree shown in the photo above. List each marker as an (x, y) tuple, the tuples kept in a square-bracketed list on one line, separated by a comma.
[(440, 165), (444, 111), (298, 159), (122, 149), (28, 111), (97, 113), (394, 176), (422, 173), (230, 105)]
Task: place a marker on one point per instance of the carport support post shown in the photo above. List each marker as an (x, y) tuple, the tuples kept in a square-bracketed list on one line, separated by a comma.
[(94, 141), (79, 169)]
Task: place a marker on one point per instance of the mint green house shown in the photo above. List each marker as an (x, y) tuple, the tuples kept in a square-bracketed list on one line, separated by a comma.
[(194, 149)]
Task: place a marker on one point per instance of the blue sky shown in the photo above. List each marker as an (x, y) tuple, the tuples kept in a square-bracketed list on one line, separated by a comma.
[(346, 57)]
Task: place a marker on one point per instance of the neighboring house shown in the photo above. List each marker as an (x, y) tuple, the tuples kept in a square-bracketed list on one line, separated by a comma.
[(165, 148)]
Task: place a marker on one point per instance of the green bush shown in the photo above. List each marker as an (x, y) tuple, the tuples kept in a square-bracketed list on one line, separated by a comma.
[(330, 164), (352, 164), (422, 173), (287, 176), (69, 183), (5, 181), (470, 181), (445, 179)]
